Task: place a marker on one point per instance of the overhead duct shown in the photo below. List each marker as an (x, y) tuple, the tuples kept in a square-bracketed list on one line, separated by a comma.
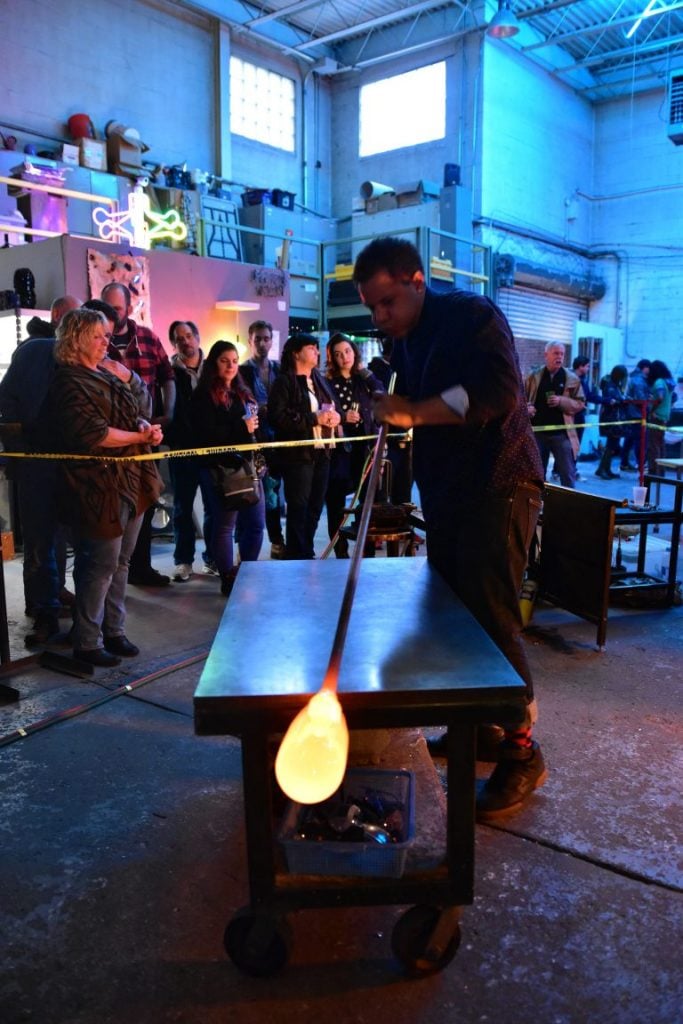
[(512, 270)]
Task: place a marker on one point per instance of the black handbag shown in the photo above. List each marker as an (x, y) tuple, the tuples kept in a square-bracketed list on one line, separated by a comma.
[(239, 486)]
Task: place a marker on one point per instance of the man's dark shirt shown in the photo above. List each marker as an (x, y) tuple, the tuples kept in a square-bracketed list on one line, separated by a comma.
[(464, 339)]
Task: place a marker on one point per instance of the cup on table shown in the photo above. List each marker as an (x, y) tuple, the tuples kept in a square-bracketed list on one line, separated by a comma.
[(639, 494)]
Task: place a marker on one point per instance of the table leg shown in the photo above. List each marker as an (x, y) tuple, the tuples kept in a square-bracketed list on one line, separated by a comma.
[(460, 806), (258, 816)]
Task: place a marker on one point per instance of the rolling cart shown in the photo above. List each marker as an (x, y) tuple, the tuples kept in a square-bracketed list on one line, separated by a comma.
[(414, 656)]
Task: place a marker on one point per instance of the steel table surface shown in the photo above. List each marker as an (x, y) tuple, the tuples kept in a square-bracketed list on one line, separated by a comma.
[(413, 656)]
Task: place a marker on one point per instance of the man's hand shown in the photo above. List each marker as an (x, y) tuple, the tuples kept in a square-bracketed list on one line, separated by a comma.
[(395, 410)]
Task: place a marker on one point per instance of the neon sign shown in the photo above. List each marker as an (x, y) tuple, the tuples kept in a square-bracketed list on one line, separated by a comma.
[(138, 225)]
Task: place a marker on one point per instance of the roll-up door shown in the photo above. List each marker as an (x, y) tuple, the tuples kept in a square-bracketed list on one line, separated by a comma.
[(541, 316)]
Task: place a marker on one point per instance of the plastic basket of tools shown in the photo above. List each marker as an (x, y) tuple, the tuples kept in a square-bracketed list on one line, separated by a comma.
[(364, 829)]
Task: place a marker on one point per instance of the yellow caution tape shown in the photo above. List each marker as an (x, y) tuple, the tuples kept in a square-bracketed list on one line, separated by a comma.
[(327, 442), (184, 453)]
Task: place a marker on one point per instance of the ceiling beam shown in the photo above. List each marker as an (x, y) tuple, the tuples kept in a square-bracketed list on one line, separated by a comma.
[(367, 26), (282, 14), (625, 52), (558, 40)]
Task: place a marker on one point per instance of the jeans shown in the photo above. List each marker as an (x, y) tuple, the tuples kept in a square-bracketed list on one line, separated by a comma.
[(482, 553), (43, 538), (186, 478), (251, 524), (100, 576), (305, 487), (560, 446)]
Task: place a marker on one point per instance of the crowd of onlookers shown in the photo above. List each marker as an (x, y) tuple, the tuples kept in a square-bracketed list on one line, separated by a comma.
[(99, 384), (634, 410), (94, 382)]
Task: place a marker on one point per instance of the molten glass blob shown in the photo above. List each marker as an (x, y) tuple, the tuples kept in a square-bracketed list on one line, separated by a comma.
[(311, 761)]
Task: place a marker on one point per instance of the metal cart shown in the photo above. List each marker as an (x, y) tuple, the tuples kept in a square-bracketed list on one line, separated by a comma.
[(414, 657)]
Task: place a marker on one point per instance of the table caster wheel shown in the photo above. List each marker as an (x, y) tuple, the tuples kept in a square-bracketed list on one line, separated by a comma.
[(426, 938), (256, 943)]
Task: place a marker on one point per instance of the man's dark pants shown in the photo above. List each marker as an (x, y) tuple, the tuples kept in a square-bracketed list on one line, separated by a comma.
[(481, 551)]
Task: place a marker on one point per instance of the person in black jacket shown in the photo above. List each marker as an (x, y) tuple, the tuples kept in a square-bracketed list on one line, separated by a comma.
[(223, 412), (259, 373), (187, 363), (301, 408)]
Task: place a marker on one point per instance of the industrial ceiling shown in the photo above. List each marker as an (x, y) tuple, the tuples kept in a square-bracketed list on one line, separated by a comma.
[(602, 48)]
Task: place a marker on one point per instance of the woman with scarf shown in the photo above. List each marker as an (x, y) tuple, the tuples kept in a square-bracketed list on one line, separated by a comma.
[(94, 409)]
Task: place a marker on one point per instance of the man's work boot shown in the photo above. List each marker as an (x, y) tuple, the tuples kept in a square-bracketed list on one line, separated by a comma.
[(489, 739), (518, 773)]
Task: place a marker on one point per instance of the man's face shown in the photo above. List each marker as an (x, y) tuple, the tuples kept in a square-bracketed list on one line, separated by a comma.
[(186, 342), (554, 358), (582, 370), (395, 303), (260, 342), (117, 300)]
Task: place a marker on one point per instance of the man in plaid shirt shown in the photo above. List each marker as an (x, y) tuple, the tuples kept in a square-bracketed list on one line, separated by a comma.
[(141, 350)]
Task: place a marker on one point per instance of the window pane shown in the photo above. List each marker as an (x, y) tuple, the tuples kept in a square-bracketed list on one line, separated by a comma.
[(403, 110), (261, 105)]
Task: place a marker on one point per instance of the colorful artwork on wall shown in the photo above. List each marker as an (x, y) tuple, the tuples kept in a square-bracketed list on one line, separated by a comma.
[(124, 268)]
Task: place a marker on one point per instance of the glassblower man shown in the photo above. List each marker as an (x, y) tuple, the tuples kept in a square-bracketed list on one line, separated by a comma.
[(476, 465)]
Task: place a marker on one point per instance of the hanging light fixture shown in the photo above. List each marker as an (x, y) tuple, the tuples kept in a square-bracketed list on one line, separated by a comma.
[(504, 22)]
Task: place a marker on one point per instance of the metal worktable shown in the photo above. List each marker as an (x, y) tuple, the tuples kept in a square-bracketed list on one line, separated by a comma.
[(414, 657)]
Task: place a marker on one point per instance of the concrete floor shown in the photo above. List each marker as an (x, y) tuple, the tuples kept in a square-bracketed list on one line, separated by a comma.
[(121, 845)]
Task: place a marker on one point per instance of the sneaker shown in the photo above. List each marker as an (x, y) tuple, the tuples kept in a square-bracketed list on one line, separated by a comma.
[(518, 773), (278, 551), (182, 573), (210, 569)]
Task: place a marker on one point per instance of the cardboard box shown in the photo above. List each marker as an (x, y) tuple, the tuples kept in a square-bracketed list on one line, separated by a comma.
[(389, 201), (415, 192), (123, 154), (70, 154), (93, 154)]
